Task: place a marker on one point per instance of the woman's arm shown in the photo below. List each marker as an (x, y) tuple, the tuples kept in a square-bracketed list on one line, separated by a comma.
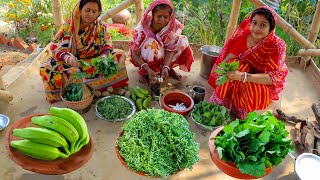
[(259, 78), (228, 58), (166, 66), (136, 57)]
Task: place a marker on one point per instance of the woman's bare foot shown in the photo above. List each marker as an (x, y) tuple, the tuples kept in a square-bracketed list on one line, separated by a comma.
[(144, 79), (175, 75)]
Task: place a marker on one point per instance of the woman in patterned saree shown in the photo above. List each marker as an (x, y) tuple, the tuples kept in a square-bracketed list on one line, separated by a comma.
[(82, 37), (158, 46), (262, 69)]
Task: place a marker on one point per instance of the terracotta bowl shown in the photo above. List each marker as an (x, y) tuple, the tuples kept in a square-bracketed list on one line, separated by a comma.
[(228, 167), (174, 97), (58, 166)]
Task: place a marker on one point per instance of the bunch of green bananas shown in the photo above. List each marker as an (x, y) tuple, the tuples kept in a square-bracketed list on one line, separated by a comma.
[(141, 97), (63, 130)]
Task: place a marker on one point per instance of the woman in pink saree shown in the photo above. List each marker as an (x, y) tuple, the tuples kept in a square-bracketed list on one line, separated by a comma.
[(262, 69), (158, 46)]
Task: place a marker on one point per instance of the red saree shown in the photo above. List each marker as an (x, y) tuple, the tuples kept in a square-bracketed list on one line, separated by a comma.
[(267, 56), (85, 44), (153, 46)]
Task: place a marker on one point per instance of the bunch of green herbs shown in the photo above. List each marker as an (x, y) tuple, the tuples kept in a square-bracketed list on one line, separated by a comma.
[(258, 142), (74, 92), (158, 143), (223, 69), (114, 107), (210, 114)]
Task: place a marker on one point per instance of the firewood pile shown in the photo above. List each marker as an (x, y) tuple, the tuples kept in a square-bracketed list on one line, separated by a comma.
[(307, 133)]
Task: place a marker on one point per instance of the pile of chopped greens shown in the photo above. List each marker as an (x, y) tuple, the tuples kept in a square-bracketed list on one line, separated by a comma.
[(114, 107), (254, 144), (74, 92), (158, 143), (210, 114), (222, 70)]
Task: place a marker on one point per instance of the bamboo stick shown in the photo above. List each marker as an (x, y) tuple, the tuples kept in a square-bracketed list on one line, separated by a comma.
[(116, 10), (57, 13), (232, 25), (289, 29), (2, 87), (139, 10), (314, 29), (309, 52)]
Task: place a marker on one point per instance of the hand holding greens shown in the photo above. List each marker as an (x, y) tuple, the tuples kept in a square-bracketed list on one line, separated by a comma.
[(158, 143), (254, 144), (222, 70)]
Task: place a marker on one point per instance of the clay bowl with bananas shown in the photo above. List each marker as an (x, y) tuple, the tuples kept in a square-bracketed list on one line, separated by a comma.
[(34, 146)]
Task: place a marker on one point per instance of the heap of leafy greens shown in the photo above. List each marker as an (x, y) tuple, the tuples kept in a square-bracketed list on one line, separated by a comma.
[(106, 66), (210, 114), (222, 70), (158, 143), (254, 144), (114, 107), (74, 92)]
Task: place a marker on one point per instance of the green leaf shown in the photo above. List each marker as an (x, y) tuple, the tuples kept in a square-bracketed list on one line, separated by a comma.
[(221, 80), (264, 137), (242, 133), (220, 71), (256, 169)]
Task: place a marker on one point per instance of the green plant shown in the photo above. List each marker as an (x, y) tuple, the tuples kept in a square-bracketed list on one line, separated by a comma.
[(44, 28), (115, 35)]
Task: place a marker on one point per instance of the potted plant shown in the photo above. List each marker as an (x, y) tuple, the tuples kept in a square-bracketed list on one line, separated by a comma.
[(251, 148)]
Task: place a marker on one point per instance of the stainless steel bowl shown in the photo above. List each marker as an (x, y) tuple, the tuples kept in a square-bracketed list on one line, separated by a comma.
[(116, 120), (204, 127), (4, 121)]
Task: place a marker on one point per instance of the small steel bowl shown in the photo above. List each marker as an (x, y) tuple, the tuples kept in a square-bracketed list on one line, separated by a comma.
[(4, 121), (116, 120)]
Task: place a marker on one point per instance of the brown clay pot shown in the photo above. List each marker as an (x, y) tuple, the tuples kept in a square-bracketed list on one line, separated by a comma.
[(173, 97), (228, 167), (123, 17), (58, 166)]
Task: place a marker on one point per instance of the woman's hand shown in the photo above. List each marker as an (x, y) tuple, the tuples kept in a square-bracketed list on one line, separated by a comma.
[(72, 60), (165, 73), (235, 75), (153, 76)]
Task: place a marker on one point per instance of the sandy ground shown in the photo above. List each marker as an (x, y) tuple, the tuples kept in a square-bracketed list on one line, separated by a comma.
[(301, 91)]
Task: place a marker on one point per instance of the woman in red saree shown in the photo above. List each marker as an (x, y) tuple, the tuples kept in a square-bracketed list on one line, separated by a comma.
[(82, 37), (158, 46), (262, 69)]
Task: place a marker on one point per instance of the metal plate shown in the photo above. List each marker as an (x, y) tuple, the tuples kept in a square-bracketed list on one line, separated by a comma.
[(116, 120), (307, 166), (4, 121)]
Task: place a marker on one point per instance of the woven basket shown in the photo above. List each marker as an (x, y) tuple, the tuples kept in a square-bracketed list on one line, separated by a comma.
[(86, 98)]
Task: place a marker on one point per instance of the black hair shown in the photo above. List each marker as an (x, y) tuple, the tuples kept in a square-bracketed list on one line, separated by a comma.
[(84, 2), (266, 13), (162, 6)]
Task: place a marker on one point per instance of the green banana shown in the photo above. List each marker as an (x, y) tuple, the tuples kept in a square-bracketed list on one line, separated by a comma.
[(139, 104), (133, 96), (138, 93), (82, 144), (146, 102), (73, 118), (143, 91), (37, 150), (57, 124), (43, 136)]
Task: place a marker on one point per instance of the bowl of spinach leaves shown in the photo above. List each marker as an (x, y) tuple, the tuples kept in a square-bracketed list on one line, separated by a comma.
[(250, 148), (210, 116), (115, 108)]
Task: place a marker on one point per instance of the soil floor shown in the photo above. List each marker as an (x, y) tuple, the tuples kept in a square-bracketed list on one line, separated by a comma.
[(10, 56)]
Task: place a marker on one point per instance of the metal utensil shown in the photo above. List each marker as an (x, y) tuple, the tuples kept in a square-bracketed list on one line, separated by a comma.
[(306, 165), (4, 121)]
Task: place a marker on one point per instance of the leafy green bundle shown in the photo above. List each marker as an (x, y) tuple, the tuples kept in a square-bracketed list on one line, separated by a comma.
[(106, 66), (158, 143), (222, 70), (74, 92), (114, 107), (210, 114), (254, 144)]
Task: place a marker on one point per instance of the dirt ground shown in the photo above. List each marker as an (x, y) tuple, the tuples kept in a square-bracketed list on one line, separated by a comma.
[(10, 56)]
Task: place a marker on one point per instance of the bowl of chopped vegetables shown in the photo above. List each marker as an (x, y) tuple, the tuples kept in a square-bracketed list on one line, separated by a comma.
[(115, 108), (210, 116), (177, 101)]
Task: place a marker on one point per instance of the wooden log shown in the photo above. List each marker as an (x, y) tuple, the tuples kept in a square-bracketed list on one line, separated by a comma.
[(57, 13), (232, 25), (139, 10), (5, 96), (2, 87), (290, 119), (309, 52), (315, 26), (116, 10), (316, 112), (289, 29)]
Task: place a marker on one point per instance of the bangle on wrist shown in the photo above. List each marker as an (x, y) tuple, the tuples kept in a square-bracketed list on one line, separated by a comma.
[(143, 65), (245, 77), (166, 67)]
